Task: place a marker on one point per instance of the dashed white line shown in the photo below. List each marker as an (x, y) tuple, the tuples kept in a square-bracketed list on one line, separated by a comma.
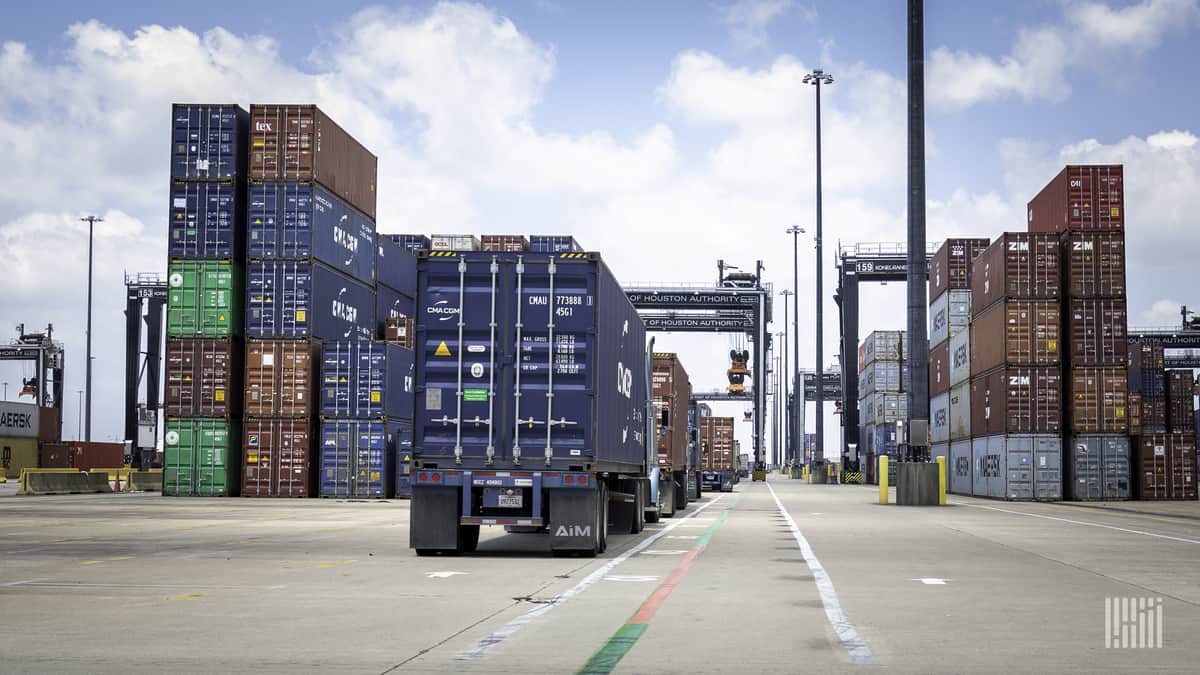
[(1084, 522)]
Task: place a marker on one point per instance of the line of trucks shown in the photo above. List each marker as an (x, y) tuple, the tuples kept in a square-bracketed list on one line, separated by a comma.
[(542, 407)]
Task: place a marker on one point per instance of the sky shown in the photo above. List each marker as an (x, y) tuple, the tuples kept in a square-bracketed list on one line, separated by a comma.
[(665, 135)]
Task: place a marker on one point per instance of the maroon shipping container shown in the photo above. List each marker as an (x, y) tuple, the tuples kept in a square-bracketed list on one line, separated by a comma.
[(1097, 333), (54, 455), (82, 455), (939, 369), (1099, 398), (1016, 333), (1018, 265), (280, 378), (717, 444), (301, 143), (672, 393), (504, 243), (950, 267), (1017, 400), (49, 428), (1166, 466), (1094, 264), (204, 378), (1135, 414), (1080, 199), (1181, 411), (276, 457)]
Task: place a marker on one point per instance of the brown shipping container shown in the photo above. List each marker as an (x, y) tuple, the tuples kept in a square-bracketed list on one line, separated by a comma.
[(504, 243), (204, 378), (54, 456), (672, 392), (939, 369), (1165, 465), (1080, 199), (399, 330), (49, 429), (1017, 265), (1099, 398), (716, 437), (1016, 400), (280, 378), (1016, 333), (1181, 410), (1094, 264), (1097, 332), (276, 457), (950, 267), (301, 143), (1135, 414)]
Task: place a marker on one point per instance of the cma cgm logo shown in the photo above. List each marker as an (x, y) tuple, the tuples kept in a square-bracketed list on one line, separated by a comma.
[(624, 380), (263, 126), (1018, 246), (344, 310), (344, 239), (960, 356), (1083, 246), (442, 309), (1018, 380)]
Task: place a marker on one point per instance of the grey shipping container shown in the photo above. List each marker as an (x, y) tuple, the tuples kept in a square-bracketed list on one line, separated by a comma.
[(949, 314), (960, 411), (888, 408), (959, 468), (884, 345), (1018, 467), (960, 358), (881, 377), (1097, 468), (939, 418), (941, 450)]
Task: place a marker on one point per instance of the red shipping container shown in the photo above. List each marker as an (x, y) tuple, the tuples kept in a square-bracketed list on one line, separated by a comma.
[(950, 267), (1081, 199), (1094, 264), (1016, 400), (1098, 332), (277, 458), (717, 443), (1165, 465), (204, 378), (1018, 265), (1135, 414), (82, 455), (1016, 333), (939, 369), (672, 392), (1098, 400), (280, 378)]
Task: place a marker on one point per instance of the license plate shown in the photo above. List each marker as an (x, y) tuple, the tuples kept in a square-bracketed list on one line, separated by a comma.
[(510, 501)]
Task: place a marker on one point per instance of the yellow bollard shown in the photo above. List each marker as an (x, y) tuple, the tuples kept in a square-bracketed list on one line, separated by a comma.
[(883, 479), (941, 481)]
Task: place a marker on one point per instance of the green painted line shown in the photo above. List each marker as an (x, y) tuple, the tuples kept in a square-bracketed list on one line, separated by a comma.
[(605, 660)]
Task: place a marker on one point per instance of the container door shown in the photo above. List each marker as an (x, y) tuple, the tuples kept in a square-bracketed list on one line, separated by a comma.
[(1019, 468), (1047, 468)]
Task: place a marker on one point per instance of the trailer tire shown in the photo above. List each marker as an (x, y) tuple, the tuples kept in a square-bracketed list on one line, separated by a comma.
[(639, 511), (468, 538)]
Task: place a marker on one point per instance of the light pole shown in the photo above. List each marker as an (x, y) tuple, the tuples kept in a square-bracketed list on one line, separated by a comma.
[(79, 418), (779, 397), (5, 391), (797, 383), (87, 424), (785, 373), (817, 78)]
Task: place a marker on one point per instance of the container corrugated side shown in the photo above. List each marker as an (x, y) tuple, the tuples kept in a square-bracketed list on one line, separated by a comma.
[(1096, 330), (396, 267), (1017, 400), (413, 243), (960, 358), (1166, 466), (391, 304), (541, 243), (1017, 333), (1080, 198), (204, 299), (1017, 467), (1097, 468), (363, 379), (949, 315), (358, 459), (885, 345), (939, 418), (203, 378), (958, 469), (287, 299), (201, 457), (277, 455), (718, 452), (939, 369), (208, 142), (960, 411), (1098, 398), (1094, 263), (1018, 265), (207, 221)]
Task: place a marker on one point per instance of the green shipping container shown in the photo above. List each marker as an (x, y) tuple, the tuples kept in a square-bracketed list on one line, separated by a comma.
[(202, 457), (204, 299)]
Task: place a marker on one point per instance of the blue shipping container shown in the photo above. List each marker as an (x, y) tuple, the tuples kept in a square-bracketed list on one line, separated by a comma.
[(301, 221), (208, 221), (306, 300), (541, 243), (363, 379), (358, 459), (564, 336), (395, 267), (390, 304), (208, 142), (414, 243)]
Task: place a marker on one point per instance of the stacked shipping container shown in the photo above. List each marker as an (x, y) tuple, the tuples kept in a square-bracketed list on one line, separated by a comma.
[(882, 391), (1083, 207), (206, 244), (718, 453), (1162, 423)]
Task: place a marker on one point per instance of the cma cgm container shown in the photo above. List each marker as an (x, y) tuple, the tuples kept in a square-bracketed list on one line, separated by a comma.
[(201, 457), (1094, 263), (208, 142), (301, 143), (718, 462), (358, 458), (363, 379), (1016, 400), (1097, 400), (1097, 468), (299, 221), (396, 266), (554, 243), (950, 267), (204, 299), (1017, 333), (207, 221), (672, 390), (1017, 467), (287, 299), (550, 350), (1096, 332), (949, 315), (1018, 265), (1166, 466), (280, 378), (204, 378), (1080, 198), (277, 455)]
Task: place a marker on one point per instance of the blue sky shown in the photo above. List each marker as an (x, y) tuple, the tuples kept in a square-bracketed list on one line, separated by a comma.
[(665, 134)]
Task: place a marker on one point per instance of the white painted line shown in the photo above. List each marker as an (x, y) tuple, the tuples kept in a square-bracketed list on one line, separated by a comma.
[(21, 583), (1083, 522), (931, 581), (485, 645), (683, 536), (443, 575), (630, 577), (662, 552), (856, 647)]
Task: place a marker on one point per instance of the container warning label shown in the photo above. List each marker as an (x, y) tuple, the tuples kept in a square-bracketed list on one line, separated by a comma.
[(442, 350), (475, 395)]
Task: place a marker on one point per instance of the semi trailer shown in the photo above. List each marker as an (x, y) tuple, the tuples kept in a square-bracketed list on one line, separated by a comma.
[(717, 465), (672, 393)]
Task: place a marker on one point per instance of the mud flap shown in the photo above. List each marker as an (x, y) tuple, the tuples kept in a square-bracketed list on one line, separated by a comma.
[(573, 520), (434, 519), (666, 496)]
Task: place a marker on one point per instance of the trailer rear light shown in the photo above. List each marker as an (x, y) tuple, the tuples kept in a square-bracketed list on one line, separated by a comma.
[(422, 477), (569, 479), (437, 477), (583, 480)]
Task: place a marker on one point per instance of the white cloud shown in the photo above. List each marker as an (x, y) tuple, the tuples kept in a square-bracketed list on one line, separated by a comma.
[(748, 20), (1041, 57)]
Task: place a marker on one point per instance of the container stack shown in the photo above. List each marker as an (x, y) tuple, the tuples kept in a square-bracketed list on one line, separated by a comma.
[(1083, 207), (950, 354), (1162, 423), (882, 391), (311, 277), (1015, 364), (205, 276)]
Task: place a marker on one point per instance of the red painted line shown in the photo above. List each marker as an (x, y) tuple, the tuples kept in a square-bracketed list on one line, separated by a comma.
[(652, 603)]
